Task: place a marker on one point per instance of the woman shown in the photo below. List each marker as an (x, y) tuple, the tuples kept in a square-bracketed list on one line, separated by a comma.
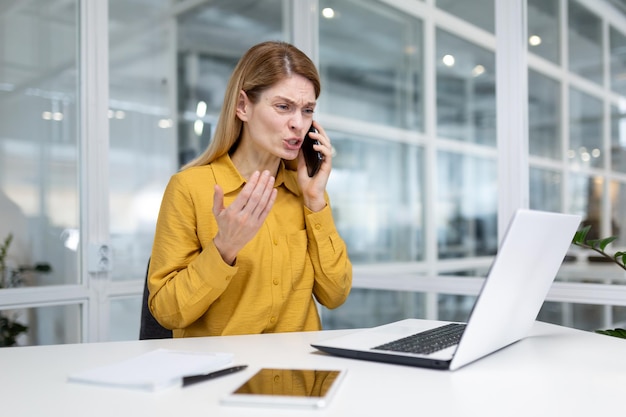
[(244, 245)]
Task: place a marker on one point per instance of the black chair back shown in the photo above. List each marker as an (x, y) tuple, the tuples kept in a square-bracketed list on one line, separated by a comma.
[(149, 327)]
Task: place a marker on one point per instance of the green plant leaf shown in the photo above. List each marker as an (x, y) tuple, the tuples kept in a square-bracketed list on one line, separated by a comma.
[(621, 333), (581, 235), (604, 242), (593, 243), (599, 246)]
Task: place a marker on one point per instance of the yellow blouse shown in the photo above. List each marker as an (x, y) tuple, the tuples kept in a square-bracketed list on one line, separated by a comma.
[(297, 254)]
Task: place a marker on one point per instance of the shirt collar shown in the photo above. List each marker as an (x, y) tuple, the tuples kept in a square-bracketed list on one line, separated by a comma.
[(229, 178)]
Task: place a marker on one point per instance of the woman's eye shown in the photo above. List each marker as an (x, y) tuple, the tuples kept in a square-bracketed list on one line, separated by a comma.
[(282, 107), (309, 111)]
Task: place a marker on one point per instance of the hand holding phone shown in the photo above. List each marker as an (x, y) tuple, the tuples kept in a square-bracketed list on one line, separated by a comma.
[(312, 157)]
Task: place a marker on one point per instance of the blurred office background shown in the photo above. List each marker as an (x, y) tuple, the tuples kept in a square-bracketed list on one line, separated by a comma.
[(101, 102)]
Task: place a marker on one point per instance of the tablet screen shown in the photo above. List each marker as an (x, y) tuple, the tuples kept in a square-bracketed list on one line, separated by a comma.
[(277, 386)]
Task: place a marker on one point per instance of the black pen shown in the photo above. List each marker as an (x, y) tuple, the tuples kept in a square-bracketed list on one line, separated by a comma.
[(188, 380)]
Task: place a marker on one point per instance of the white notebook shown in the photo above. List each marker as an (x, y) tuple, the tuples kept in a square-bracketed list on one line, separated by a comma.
[(154, 370)]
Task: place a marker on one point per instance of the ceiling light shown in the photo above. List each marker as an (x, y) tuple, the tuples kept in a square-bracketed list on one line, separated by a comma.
[(410, 50), (198, 127), (165, 123), (448, 60), (478, 70), (534, 40), (328, 12), (201, 109)]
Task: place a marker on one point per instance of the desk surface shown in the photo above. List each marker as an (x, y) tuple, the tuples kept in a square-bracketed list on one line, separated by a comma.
[(556, 371)]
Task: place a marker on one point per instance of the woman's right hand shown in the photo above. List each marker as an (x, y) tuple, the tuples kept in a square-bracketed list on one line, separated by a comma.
[(239, 223)]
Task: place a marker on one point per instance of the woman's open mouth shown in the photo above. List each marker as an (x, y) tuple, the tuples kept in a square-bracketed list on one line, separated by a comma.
[(293, 144)]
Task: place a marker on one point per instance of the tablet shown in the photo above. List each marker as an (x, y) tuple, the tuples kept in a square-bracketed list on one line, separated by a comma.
[(280, 387)]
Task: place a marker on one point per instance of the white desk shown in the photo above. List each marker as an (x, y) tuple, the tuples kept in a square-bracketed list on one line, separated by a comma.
[(556, 372)]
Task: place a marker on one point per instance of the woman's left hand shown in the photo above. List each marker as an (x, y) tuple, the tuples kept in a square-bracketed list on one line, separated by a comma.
[(313, 188)]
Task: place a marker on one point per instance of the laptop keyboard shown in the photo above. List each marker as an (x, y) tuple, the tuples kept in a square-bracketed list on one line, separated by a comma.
[(428, 341)]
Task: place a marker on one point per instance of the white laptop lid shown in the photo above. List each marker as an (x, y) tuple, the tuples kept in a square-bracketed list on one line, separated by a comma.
[(527, 262), (516, 286)]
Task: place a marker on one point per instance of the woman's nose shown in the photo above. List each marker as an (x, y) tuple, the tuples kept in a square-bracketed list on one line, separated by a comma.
[(297, 123)]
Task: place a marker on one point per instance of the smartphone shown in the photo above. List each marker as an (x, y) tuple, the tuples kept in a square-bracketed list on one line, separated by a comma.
[(312, 157), (280, 387)]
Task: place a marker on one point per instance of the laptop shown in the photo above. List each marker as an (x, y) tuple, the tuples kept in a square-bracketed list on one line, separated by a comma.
[(517, 283)]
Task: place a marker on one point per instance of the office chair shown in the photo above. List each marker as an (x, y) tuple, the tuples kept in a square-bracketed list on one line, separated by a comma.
[(149, 327)]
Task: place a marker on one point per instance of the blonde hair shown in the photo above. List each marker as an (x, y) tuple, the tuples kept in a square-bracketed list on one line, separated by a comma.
[(261, 67)]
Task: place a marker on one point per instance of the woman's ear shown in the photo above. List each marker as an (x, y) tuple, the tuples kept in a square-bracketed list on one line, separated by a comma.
[(242, 106)]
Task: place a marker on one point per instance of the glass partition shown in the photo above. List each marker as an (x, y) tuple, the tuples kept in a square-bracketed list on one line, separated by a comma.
[(466, 90), (543, 29), (47, 325), (544, 116), (585, 42), (124, 317), (589, 317), (376, 191), (480, 13), (368, 308), (586, 130), (545, 189), (618, 138), (617, 195), (466, 206), (371, 75), (452, 307), (586, 193), (142, 152), (617, 49), (39, 151)]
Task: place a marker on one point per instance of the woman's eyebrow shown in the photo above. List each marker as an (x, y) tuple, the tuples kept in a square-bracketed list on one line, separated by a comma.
[(291, 102)]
